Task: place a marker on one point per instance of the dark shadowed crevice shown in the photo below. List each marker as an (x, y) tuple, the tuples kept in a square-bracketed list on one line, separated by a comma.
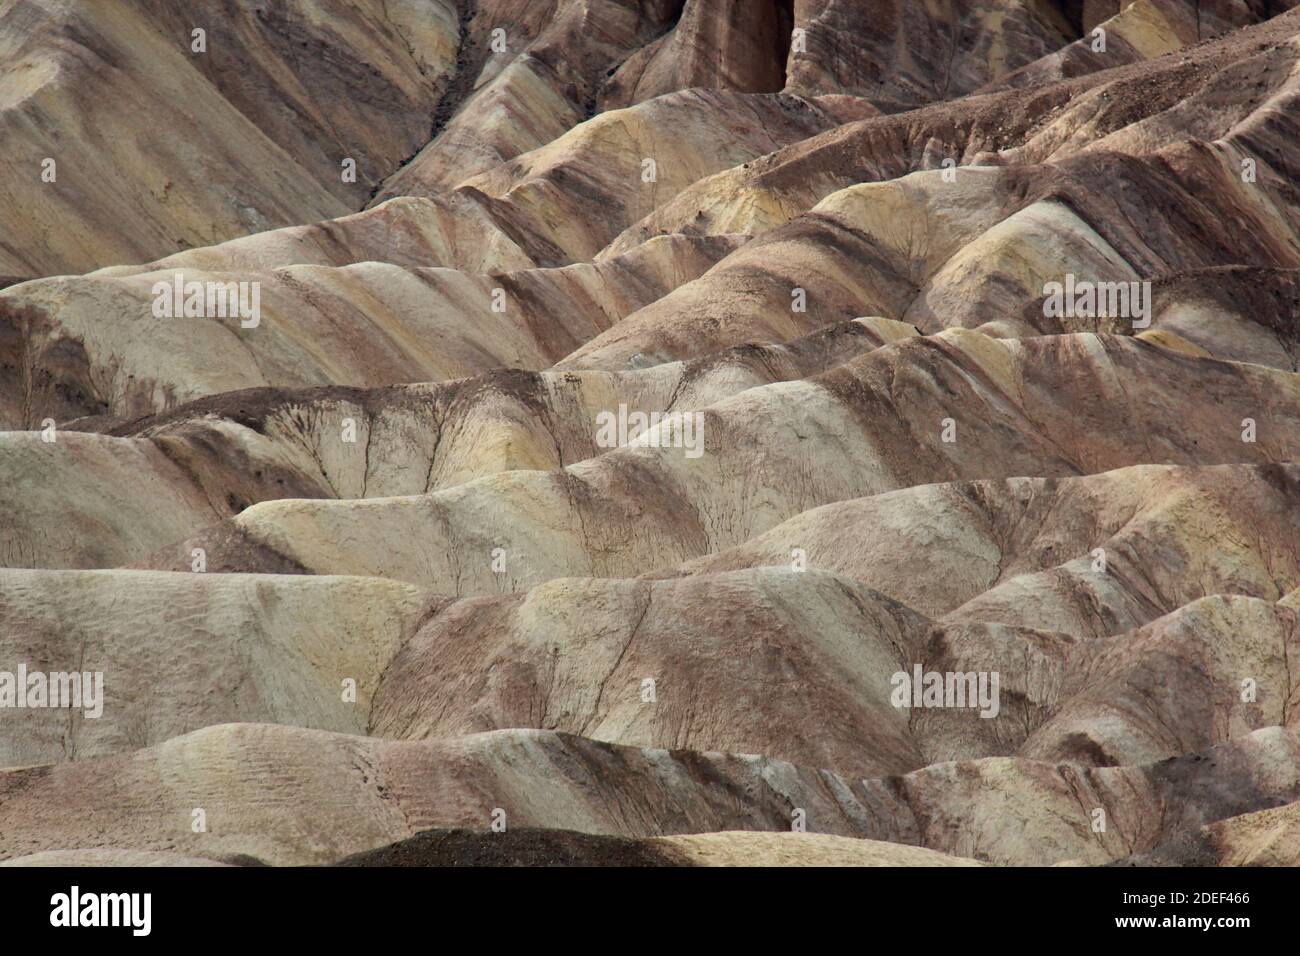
[(1072, 11), (469, 63), (784, 36)]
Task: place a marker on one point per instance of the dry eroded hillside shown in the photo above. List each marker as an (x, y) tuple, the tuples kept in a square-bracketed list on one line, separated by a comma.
[(329, 335)]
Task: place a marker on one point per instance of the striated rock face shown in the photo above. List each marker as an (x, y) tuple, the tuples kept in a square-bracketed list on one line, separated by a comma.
[(283, 795), (716, 44), (368, 323), (902, 55), (248, 134), (702, 433), (217, 647)]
